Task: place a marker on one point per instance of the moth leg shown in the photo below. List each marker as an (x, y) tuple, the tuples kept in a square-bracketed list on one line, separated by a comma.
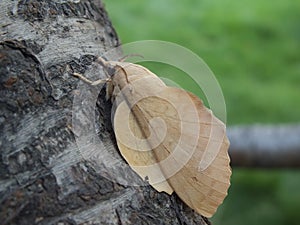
[(93, 83), (100, 81)]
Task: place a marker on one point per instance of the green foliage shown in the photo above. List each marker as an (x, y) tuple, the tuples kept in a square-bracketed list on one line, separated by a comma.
[(253, 47)]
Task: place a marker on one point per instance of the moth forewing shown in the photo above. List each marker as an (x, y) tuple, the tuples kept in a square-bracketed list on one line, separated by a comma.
[(133, 133), (142, 161)]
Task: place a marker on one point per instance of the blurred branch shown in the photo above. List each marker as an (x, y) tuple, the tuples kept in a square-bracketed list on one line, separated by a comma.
[(274, 146)]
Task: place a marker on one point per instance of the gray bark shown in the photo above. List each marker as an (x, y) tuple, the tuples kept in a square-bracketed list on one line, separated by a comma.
[(265, 146), (48, 170)]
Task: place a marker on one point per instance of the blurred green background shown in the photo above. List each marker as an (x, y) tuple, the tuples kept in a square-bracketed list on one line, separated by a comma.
[(253, 48)]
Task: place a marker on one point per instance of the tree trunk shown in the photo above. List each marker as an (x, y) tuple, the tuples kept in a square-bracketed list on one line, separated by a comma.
[(45, 177)]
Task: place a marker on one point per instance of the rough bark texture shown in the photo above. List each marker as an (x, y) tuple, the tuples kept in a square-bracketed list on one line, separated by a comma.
[(45, 177), (266, 146)]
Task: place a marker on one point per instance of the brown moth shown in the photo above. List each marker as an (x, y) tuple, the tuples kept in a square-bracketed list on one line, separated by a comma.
[(168, 136)]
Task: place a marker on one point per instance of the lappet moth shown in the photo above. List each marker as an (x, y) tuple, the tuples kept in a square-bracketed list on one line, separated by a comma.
[(168, 136)]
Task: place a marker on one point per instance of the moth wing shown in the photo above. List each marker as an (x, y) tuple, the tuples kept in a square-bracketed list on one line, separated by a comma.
[(167, 133), (202, 183), (136, 150), (130, 135)]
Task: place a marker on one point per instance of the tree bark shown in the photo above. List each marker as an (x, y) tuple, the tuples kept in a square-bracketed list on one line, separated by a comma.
[(45, 177)]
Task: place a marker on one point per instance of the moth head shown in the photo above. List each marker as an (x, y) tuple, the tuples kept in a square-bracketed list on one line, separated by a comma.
[(112, 68), (108, 67)]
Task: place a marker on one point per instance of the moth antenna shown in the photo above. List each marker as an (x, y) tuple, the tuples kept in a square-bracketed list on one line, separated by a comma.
[(129, 55)]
